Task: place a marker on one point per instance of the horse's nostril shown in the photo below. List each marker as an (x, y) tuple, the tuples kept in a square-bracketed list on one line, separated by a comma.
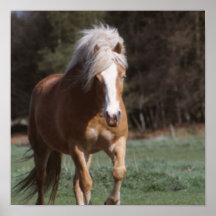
[(115, 117), (119, 115), (107, 114)]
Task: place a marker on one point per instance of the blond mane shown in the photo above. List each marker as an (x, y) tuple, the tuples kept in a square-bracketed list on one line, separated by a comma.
[(105, 38)]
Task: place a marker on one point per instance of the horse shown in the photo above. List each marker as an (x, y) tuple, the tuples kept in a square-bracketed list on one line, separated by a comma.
[(80, 112)]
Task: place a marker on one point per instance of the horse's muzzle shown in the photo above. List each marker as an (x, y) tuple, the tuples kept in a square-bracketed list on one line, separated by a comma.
[(114, 119)]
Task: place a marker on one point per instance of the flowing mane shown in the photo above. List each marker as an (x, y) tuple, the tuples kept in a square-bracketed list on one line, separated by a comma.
[(103, 38)]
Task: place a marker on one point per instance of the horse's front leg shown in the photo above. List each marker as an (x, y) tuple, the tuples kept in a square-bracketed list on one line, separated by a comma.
[(117, 153), (76, 182), (82, 177)]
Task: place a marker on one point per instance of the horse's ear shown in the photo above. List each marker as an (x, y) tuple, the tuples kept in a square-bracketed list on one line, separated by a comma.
[(118, 48), (96, 48)]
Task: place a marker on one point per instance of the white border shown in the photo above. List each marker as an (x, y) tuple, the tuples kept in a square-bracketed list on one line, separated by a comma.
[(5, 7)]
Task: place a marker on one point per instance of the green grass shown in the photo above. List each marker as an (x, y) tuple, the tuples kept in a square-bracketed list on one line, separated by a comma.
[(158, 173)]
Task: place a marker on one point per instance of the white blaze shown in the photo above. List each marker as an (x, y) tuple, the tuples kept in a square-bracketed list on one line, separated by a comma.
[(111, 102)]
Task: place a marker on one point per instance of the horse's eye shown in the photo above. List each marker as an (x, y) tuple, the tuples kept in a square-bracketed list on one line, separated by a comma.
[(98, 78), (123, 77)]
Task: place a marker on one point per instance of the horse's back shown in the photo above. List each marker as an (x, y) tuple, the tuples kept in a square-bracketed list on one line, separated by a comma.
[(43, 91), (46, 84)]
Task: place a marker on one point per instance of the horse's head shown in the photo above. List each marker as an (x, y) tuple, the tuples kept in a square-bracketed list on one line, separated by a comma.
[(111, 83), (101, 53)]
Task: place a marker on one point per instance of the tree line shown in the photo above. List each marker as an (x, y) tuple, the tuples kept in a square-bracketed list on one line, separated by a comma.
[(165, 50)]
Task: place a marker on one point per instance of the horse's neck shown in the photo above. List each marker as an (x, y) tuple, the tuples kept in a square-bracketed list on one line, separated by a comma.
[(90, 99)]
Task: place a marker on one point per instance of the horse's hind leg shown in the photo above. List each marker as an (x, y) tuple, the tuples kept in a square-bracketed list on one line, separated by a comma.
[(76, 182), (41, 159)]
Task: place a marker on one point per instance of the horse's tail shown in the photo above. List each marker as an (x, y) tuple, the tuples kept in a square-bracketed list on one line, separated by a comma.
[(29, 183), (53, 174)]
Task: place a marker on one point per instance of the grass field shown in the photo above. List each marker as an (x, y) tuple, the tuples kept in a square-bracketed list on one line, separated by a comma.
[(166, 172)]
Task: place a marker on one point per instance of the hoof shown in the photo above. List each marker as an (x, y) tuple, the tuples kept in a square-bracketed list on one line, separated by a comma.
[(111, 201), (39, 203)]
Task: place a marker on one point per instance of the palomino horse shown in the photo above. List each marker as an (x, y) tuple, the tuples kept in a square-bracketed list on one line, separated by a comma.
[(79, 113)]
